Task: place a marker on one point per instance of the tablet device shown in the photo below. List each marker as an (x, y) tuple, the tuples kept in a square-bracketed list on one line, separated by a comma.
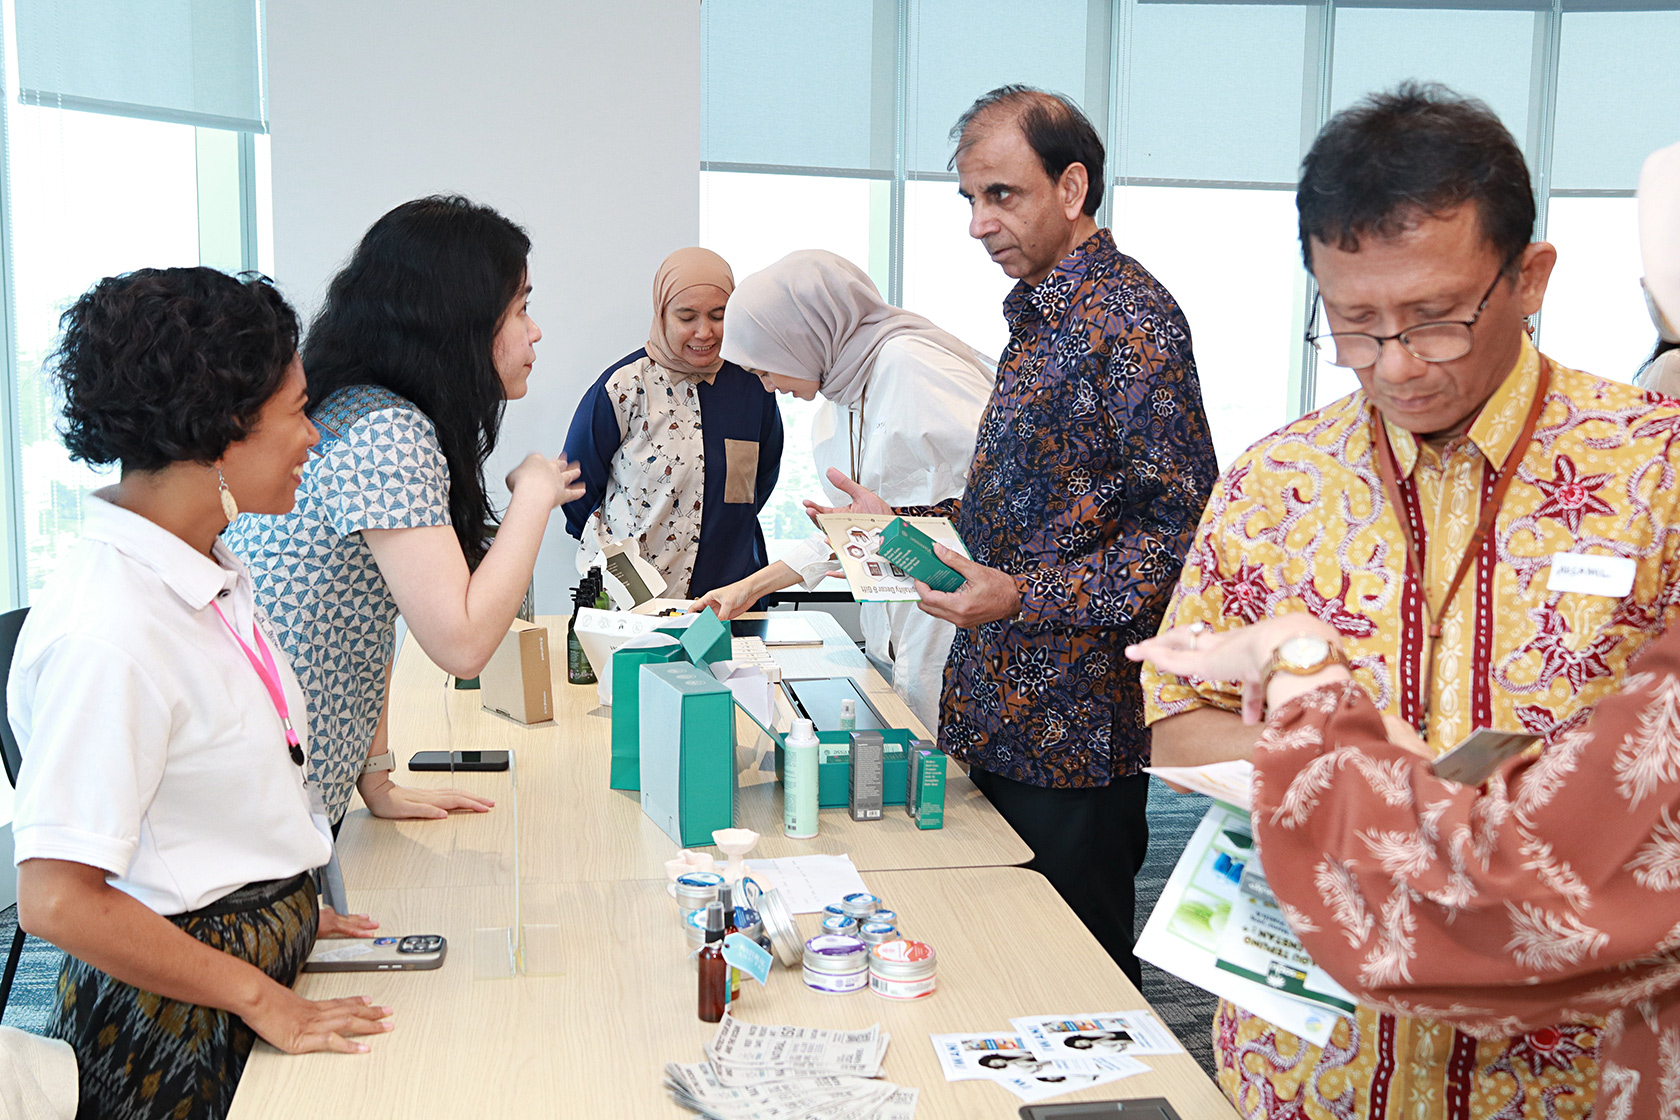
[(462, 760), (818, 700), (1145, 1108)]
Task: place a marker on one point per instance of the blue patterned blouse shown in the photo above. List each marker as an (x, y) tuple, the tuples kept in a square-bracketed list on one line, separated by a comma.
[(378, 466), (1092, 467)]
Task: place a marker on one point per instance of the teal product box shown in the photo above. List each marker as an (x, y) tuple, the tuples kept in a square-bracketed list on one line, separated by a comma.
[(626, 769), (911, 550), (924, 792), (834, 766), (687, 752), (707, 639)]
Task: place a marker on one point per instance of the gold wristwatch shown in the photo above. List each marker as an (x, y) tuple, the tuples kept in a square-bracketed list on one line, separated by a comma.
[(1302, 655)]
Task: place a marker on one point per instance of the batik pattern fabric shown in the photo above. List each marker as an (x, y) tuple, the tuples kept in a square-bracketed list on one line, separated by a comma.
[(378, 466), (144, 1057), (1300, 523), (1091, 466), (1549, 896)]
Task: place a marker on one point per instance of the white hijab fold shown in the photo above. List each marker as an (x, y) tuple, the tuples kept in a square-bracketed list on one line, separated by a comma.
[(816, 316)]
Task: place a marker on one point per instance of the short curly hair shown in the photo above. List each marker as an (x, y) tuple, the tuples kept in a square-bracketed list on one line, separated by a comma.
[(165, 365)]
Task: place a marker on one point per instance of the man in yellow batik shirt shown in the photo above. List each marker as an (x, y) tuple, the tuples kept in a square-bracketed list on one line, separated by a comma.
[(1416, 215)]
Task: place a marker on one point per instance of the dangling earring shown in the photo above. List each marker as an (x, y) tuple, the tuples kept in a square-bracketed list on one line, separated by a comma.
[(230, 508)]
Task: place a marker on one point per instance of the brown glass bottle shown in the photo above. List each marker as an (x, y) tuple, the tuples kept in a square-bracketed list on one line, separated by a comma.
[(726, 901), (713, 969)]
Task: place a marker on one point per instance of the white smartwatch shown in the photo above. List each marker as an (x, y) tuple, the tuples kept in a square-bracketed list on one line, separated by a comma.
[(379, 763)]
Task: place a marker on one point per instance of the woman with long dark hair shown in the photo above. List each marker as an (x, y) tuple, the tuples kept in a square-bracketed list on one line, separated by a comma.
[(425, 335), (163, 828)]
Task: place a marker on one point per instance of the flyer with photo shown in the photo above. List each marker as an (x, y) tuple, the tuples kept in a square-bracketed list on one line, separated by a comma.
[(856, 540), (1007, 1060), (1186, 933), (1095, 1036)]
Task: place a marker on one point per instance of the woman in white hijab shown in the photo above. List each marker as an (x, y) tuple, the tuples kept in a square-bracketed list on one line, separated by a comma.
[(904, 400), (1659, 245)]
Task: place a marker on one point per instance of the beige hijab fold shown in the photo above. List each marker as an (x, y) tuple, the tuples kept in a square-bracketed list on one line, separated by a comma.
[(816, 316), (684, 269)]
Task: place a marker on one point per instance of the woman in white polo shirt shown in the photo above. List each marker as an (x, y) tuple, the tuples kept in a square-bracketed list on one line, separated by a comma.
[(163, 828)]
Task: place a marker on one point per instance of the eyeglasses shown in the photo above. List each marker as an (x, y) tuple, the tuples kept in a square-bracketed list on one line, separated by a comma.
[(1444, 341)]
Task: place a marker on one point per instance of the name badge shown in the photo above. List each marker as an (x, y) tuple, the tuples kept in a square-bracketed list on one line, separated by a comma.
[(1592, 575)]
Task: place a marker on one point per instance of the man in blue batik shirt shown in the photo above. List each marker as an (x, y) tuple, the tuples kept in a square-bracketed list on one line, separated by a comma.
[(1090, 473)]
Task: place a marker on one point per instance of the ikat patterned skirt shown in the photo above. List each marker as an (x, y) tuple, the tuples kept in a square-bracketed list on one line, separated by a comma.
[(143, 1057)]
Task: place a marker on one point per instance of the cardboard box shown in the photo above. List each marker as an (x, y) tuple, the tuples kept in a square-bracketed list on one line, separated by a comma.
[(911, 550), (626, 767), (517, 682), (924, 794), (708, 639), (687, 752)]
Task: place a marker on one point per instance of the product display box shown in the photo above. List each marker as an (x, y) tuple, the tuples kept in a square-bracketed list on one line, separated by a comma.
[(924, 789), (626, 770), (517, 683), (834, 766), (707, 639), (687, 751), (909, 549)]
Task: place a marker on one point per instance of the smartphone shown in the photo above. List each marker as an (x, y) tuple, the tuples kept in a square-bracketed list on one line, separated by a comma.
[(1143, 1108), (412, 953), (463, 760), (1483, 751)]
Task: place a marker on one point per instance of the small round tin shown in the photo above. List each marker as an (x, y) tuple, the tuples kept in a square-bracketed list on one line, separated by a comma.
[(888, 916), (861, 905), (902, 969), (877, 933), (836, 964), (840, 925), (696, 889), (780, 928), (834, 910)]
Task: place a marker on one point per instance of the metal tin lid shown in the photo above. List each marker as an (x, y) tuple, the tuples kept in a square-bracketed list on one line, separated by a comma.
[(888, 916), (835, 953), (860, 905), (842, 924), (697, 888), (903, 959), (835, 909), (875, 933), (780, 928)]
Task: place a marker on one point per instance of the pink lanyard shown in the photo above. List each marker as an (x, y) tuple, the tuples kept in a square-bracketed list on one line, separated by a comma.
[(270, 674)]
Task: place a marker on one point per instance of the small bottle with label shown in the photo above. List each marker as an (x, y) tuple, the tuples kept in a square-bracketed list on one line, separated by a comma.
[(713, 969), (848, 715), (726, 902), (599, 583), (578, 669), (800, 763)]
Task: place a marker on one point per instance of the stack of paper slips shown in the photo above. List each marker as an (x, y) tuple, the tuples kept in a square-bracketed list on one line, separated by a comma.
[(758, 1072)]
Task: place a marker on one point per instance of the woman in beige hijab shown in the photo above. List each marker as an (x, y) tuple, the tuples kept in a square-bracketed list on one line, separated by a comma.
[(1659, 244), (903, 402), (679, 449)]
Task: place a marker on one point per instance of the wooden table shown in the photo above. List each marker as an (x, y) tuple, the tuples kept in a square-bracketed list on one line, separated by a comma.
[(573, 828), (594, 1041)]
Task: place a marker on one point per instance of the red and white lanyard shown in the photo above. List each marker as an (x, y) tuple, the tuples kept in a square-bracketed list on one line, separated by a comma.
[(270, 674)]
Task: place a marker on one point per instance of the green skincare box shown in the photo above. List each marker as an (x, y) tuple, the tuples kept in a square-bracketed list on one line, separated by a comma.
[(911, 550), (834, 766), (924, 794), (687, 752), (626, 769)]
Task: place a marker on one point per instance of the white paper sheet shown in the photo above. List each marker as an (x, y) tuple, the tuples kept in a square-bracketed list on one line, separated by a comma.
[(1095, 1035), (809, 883), (1231, 782)]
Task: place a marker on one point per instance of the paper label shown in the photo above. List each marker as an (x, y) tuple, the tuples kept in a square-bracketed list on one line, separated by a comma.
[(749, 956), (1592, 575)]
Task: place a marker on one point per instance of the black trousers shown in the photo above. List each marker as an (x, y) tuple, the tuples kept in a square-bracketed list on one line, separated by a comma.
[(1090, 843)]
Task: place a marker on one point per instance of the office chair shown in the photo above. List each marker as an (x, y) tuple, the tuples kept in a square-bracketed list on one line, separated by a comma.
[(10, 624)]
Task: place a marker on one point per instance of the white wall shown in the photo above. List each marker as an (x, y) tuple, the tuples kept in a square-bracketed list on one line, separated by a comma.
[(580, 121)]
